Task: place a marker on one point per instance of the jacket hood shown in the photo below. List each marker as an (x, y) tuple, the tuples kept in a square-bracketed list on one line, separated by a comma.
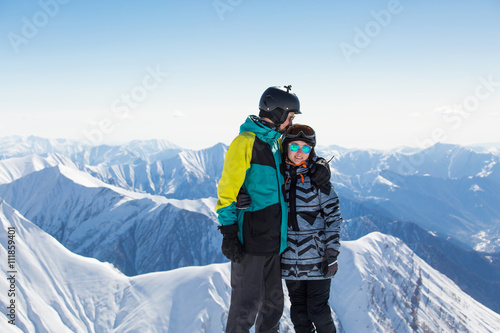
[(262, 132)]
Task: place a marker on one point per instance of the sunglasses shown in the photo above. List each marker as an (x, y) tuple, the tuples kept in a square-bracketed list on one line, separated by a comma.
[(295, 147)]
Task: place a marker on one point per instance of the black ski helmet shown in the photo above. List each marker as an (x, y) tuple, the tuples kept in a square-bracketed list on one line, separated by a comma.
[(276, 102)]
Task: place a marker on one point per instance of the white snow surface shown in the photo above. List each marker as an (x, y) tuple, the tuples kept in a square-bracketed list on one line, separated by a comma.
[(18, 167), (113, 224), (382, 286)]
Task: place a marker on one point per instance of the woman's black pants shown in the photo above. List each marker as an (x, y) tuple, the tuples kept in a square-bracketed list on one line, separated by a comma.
[(310, 311)]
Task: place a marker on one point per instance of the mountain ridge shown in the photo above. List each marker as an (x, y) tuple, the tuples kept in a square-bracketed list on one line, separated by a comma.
[(122, 226), (147, 211), (78, 294)]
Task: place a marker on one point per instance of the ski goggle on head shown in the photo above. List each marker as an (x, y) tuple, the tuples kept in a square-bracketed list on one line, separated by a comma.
[(300, 131), (295, 147)]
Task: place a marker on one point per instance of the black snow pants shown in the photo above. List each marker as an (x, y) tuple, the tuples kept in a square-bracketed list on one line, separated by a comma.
[(309, 300), (257, 292)]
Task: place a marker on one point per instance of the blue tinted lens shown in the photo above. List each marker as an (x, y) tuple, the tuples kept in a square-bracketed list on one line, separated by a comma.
[(296, 147)]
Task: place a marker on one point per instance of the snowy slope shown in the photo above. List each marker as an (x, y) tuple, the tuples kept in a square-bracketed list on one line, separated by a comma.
[(186, 175), (462, 208), (17, 167), (131, 153), (17, 146), (476, 273), (137, 232), (381, 287), (58, 291), (448, 189), (390, 289), (456, 185), (152, 166), (84, 154)]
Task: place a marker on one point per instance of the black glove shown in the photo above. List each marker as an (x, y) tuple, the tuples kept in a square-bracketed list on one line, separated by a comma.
[(243, 200), (320, 173), (329, 265), (231, 245)]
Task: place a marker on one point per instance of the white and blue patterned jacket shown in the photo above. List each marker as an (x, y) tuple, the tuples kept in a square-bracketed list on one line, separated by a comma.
[(313, 225)]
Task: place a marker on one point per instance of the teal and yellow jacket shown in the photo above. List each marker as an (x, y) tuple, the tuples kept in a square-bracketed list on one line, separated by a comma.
[(252, 163)]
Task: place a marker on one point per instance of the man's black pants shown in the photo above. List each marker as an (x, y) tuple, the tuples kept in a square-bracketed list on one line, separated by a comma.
[(257, 292), (309, 300)]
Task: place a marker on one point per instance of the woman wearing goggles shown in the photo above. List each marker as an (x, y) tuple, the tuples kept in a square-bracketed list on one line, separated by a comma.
[(310, 260), (299, 141)]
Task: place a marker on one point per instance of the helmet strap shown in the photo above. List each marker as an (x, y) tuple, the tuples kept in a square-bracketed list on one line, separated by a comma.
[(272, 126)]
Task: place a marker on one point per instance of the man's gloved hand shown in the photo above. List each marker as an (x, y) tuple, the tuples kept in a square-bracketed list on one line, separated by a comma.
[(231, 245), (243, 200), (320, 173), (329, 265)]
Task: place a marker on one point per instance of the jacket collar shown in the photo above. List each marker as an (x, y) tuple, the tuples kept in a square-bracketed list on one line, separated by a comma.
[(261, 131), (300, 169)]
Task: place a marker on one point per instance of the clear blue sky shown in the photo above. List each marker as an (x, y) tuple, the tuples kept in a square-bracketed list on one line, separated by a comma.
[(374, 74)]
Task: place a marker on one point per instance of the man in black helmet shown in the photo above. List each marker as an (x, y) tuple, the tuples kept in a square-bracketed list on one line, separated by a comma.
[(255, 229), (278, 106)]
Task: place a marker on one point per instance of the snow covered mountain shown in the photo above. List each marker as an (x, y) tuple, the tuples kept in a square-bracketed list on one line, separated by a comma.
[(149, 150), (476, 273), (153, 166), (59, 291), (17, 167), (382, 286), (148, 206), (187, 175), (17, 146), (447, 189), (136, 232)]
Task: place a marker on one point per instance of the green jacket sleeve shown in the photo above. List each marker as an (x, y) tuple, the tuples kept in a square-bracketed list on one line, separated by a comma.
[(236, 164)]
